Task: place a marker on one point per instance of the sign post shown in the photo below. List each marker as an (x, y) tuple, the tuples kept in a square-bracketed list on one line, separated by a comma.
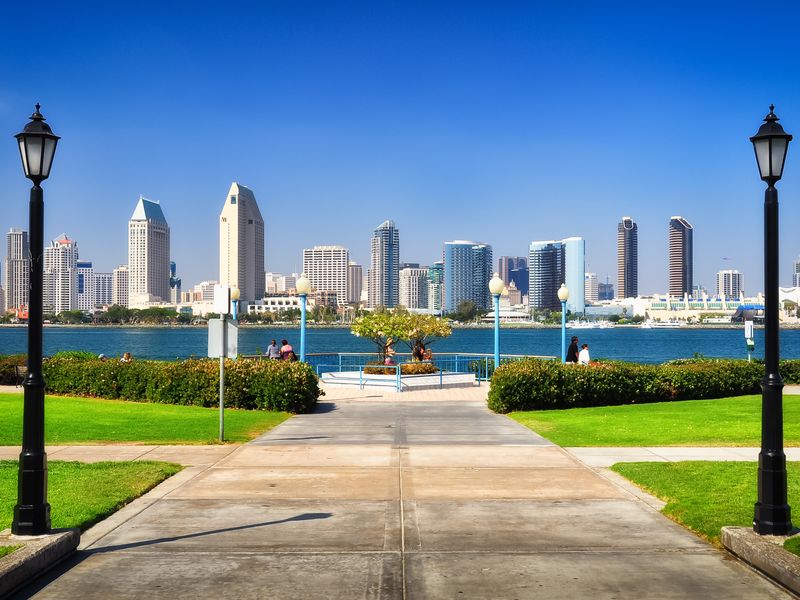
[(223, 342), (749, 338)]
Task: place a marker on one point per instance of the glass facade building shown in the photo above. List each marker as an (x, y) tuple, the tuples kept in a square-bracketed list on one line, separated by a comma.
[(467, 271)]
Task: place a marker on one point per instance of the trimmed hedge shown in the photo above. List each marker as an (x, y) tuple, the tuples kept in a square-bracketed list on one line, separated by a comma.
[(249, 384), (533, 384), (7, 364), (412, 368)]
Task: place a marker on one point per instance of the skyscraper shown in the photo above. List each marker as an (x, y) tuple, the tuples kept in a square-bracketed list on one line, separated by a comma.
[(414, 287), (241, 244), (148, 254), (326, 269), (507, 264), (435, 285), (680, 256), (627, 258), (18, 269), (467, 271), (59, 279), (796, 273), (85, 293), (355, 282), (384, 272), (591, 287), (729, 282), (103, 289), (119, 285), (552, 263)]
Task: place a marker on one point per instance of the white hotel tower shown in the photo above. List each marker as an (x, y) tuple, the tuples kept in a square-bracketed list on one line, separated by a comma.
[(148, 254), (241, 244), (326, 269)]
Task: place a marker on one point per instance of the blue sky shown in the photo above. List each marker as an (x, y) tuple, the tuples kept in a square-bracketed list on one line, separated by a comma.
[(502, 122)]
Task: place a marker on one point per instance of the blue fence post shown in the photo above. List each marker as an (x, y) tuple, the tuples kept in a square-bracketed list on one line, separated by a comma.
[(361, 378), (399, 386), (441, 378), (340, 362), (456, 363)]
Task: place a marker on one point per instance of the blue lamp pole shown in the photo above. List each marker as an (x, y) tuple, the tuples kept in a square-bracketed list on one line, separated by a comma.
[(496, 286), (563, 295), (235, 295), (303, 286)]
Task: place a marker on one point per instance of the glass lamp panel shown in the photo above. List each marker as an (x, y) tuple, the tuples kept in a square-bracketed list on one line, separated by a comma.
[(24, 156), (762, 156), (778, 155), (47, 160), (33, 148)]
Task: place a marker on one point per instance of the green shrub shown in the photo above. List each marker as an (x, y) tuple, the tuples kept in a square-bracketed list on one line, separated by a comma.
[(533, 384), (790, 371), (266, 385), (7, 364)]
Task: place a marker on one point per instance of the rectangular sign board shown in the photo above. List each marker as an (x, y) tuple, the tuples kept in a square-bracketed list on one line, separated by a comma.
[(748, 330), (215, 338)]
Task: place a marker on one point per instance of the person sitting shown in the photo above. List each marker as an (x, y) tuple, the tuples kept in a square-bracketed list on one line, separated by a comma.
[(418, 353), (428, 355), (126, 358), (287, 352), (274, 351), (390, 352)]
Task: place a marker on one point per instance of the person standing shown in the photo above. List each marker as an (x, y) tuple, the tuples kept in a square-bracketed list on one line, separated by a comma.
[(274, 351), (583, 357), (572, 351)]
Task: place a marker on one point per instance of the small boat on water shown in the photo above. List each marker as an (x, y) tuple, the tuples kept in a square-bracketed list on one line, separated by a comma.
[(661, 325), (583, 325)]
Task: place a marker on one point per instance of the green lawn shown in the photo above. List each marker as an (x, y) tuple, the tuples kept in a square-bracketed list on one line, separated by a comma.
[(91, 420), (721, 422), (705, 496), (82, 494), (6, 550)]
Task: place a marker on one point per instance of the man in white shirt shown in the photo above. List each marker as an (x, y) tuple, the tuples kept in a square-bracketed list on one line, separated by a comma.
[(583, 357)]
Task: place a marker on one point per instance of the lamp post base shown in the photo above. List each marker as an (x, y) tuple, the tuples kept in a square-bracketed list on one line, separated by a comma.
[(32, 518), (769, 518)]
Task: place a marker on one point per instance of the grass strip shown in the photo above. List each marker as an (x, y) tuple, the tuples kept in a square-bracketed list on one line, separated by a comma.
[(705, 496), (95, 421), (81, 494), (721, 422), (6, 550)]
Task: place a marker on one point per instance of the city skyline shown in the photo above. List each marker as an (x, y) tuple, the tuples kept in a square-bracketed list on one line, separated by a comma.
[(401, 117)]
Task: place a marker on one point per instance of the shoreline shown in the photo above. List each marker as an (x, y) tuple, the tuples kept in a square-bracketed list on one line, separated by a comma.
[(716, 326)]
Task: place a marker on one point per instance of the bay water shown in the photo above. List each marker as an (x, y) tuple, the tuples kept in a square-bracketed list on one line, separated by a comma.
[(622, 343)]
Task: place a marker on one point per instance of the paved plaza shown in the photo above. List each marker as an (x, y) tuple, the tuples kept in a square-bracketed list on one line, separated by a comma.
[(394, 496)]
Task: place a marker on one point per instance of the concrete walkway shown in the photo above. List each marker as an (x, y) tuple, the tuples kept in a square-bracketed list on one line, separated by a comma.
[(397, 498)]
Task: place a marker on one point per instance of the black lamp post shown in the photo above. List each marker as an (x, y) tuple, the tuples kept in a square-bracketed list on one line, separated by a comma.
[(37, 146), (772, 513)]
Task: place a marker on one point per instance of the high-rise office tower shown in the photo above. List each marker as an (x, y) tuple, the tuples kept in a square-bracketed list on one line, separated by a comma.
[(59, 277), (18, 269), (729, 282), (552, 263), (592, 288), (148, 253), (627, 258), (467, 271), (119, 286), (326, 269), (384, 272), (507, 264), (414, 287), (355, 282), (796, 273), (605, 291), (103, 289), (520, 277), (241, 244), (84, 286), (680, 256), (435, 285)]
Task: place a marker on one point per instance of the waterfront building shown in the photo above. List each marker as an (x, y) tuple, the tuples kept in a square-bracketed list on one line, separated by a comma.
[(278, 303), (435, 287), (507, 264), (729, 283), (627, 258), (384, 273), (796, 273), (103, 289), (414, 287), (18, 269), (355, 282), (287, 283), (59, 285), (514, 295), (271, 283), (241, 244), (680, 256), (467, 271), (551, 263), (591, 285), (148, 254), (85, 294), (119, 286), (2, 301), (326, 269)]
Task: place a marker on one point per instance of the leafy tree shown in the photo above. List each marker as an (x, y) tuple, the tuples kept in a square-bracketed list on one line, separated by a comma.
[(72, 317), (400, 325), (117, 314), (465, 311)]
